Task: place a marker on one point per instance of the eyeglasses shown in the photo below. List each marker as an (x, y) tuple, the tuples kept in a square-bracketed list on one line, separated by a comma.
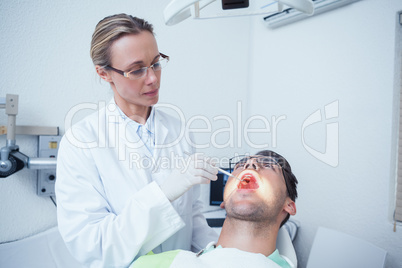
[(141, 72), (240, 161)]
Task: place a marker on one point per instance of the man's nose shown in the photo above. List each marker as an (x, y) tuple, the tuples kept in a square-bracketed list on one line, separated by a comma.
[(251, 164)]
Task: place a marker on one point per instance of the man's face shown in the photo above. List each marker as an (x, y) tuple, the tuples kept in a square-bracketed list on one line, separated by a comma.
[(261, 196)]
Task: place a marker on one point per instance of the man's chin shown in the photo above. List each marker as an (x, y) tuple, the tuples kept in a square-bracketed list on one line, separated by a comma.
[(242, 205)]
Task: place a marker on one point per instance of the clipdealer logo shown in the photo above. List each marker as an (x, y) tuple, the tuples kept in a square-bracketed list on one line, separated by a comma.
[(110, 131), (331, 154)]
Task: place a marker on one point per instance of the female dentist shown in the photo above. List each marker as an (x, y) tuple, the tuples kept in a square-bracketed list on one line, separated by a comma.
[(124, 183)]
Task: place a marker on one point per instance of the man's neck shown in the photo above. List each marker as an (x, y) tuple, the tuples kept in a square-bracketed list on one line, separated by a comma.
[(248, 236)]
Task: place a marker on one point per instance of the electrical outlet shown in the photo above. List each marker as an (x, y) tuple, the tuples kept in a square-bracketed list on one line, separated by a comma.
[(48, 146)]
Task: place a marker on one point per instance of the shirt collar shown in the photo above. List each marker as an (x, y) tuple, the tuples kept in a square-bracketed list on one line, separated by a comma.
[(149, 124)]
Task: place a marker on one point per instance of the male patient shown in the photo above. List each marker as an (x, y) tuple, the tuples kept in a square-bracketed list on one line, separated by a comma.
[(256, 208)]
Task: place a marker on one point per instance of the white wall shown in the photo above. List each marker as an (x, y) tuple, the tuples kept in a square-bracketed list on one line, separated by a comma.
[(346, 55)]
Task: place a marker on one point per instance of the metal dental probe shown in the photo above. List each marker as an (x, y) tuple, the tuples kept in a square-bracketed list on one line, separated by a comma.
[(221, 170)]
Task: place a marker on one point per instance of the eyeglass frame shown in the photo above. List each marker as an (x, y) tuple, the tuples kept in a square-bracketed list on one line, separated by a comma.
[(126, 74), (241, 157)]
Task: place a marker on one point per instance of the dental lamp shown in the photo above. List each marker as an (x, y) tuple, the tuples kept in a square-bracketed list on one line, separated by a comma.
[(11, 159), (178, 10)]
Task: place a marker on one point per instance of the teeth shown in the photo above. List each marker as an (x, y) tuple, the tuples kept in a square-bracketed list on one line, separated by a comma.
[(247, 178)]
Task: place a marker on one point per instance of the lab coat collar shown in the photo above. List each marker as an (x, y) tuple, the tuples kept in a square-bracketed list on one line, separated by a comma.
[(160, 127), (114, 110), (113, 113), (126, 128), (161, 132)]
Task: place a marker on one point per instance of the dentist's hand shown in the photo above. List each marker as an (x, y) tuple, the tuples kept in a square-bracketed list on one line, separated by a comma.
[(197, 170)]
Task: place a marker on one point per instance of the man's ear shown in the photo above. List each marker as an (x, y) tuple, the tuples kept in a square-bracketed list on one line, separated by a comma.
[(103, 74), (290, 206), (222, 205)]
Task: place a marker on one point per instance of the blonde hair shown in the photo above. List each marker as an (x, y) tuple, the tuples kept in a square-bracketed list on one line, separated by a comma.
[(109, 30)]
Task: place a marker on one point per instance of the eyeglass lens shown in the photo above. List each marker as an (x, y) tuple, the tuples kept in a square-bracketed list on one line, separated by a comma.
[(139, 73), (262, 161)]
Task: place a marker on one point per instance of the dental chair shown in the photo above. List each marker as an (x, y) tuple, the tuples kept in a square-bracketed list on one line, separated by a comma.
[(284, 242), (43, 250), (334, 249)]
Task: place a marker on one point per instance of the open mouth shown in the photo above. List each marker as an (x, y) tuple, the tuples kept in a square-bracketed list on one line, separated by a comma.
[(249, 182)]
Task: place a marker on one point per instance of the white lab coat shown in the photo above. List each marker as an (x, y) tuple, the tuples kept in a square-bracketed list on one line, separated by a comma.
[(110, 208)]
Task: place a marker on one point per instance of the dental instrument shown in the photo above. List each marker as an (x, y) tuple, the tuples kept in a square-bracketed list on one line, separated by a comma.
[(221, 170), (229, 174)]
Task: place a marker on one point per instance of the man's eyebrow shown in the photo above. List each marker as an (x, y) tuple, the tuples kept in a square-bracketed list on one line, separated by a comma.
[(140, 62)]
